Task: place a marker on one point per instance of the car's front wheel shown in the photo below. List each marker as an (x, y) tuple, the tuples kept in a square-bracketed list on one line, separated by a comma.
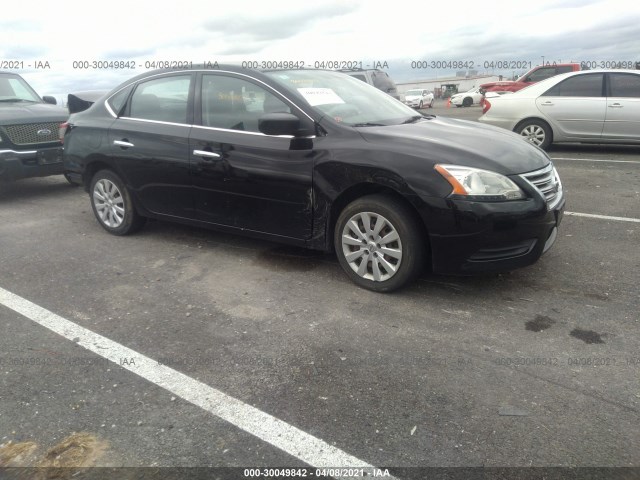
[(420, 106), (467, 102), (112, 204), (379, 243), (535, 132)]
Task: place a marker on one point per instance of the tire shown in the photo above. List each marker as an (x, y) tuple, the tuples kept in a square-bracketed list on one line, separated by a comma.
[(420, 106), (536, 132), (431, 103), (467, 102), (376, 217), (112, 204)]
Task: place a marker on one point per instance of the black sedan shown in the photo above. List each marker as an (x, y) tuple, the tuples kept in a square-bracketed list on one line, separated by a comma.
[(318, 159)]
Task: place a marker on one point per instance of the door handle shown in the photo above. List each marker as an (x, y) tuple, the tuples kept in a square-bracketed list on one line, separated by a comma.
[(205, 154), (547, 104), (124, 143), (615, 105)]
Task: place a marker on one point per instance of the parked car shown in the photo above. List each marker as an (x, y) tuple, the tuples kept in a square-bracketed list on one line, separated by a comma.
[(591, 106), (496, 93), (29, 141), (418, 98), (321, 160), (376, 77), (536, 74), (468, 98)]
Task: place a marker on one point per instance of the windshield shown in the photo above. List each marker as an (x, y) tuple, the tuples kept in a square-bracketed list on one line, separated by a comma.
[(414, 92), (344, 98), (14, 89)]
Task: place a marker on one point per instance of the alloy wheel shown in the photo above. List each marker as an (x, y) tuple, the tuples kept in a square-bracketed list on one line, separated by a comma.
[(109, 203), (371, 246), (534, 134)]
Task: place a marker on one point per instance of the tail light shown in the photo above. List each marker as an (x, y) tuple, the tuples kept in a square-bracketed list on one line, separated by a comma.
[(487, 106), (62, 129)]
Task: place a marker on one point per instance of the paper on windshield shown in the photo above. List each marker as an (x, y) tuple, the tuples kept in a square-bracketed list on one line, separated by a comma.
[(320, 96)]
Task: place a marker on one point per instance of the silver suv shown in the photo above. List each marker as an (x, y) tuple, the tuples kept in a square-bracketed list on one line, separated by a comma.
[(378, 78)]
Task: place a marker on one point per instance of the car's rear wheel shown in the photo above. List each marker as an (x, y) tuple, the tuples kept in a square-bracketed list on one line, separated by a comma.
[(378, 243), (112, 204), (467, 102), (536, 132), (420, 106), (431, 103)]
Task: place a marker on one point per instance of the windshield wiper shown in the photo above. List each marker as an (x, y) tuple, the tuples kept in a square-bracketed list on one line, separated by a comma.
[(369, 124), (413, 119)]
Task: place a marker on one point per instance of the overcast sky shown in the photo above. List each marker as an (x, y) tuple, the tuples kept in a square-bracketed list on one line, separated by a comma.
[(356, 30)]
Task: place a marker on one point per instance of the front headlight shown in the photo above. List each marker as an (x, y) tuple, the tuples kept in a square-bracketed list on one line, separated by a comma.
[(476, 184)]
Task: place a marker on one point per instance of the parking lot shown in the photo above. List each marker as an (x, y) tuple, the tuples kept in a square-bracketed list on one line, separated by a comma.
[(537, 367)]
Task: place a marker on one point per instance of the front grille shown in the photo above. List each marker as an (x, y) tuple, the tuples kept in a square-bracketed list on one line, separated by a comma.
[(27, 134), (547, 182)]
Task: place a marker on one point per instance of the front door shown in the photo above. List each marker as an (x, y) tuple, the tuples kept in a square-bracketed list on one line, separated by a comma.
[(243, 178), (576, 106)]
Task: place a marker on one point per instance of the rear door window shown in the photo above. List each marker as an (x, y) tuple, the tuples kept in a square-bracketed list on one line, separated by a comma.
[(624, 85), (163, 99)]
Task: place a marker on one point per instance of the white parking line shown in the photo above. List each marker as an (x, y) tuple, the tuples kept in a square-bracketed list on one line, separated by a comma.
[(602, 160), (604, 217), (278, 433)]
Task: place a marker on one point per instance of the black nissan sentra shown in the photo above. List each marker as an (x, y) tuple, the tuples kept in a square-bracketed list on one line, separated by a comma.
[(318, 159)]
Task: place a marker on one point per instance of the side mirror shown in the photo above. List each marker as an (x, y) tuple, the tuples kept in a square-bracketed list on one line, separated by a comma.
[(279, 124), (50, 99)]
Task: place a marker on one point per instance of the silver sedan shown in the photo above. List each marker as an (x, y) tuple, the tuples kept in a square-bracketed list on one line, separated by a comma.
[(591, 106)]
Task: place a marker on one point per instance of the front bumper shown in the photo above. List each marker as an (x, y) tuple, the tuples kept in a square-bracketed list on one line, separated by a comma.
[(40, 162), (477, 237)]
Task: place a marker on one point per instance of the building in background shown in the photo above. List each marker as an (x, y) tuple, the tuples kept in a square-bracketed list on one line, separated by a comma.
[(443, 87)]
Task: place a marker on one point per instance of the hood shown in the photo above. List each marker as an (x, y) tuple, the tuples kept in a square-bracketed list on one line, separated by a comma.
[(23, 112), (460, 142), (413, 96)]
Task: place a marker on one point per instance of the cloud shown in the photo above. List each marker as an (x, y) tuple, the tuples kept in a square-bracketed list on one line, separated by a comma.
[(281, 26), (24, 52), (128, 54), (332, 30)]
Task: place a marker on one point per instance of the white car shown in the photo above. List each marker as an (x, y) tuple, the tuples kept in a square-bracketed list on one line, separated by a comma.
[(589, 106), (495, 94), (418, 98), (466, 99)]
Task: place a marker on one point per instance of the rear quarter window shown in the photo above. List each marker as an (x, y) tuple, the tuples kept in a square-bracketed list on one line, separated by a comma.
[(116, 102)]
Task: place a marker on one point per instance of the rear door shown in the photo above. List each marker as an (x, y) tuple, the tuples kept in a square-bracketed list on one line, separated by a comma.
[(576, 106), (622, 121), (150, 144)]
